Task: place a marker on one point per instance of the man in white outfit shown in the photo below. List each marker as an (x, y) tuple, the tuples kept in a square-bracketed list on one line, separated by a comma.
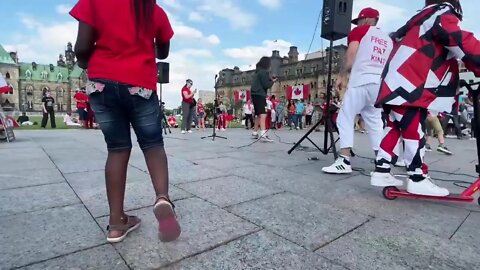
[(367, 53)]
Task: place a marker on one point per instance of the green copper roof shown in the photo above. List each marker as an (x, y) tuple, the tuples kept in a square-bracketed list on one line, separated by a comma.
[(76, 72), (5, 57), (37, 74)]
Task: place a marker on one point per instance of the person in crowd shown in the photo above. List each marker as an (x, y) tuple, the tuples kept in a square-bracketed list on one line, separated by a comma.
[(221, 117), (201, 114), (248, 113), (299, 113), (368, 50), (48, 103), (260, 84), (67, 119), (119, 49), (309, 110), (435, 128), (281, 112), (408, 93), (172, 121), (24, 120), (81, 98), (292, 113), (188, 106), (268, 119)]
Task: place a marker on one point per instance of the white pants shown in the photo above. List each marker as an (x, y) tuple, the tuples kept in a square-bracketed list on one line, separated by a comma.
[(360, 100)]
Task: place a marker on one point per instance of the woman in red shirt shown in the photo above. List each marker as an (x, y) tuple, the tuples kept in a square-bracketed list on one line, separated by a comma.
[(188, 106), (119, 49)]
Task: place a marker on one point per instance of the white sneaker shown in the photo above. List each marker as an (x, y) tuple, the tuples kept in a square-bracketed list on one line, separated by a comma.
[(264, 137), (384, 180), (222, 129), (183, 132), (340, 166), (190, 131), (255, 135), (426, 187), (400, 163)]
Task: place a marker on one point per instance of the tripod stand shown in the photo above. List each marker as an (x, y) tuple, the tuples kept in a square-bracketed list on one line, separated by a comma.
[(215, 106), (329, 125)]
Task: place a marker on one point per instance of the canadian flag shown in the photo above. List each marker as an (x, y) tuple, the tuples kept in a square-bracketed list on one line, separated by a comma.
[(4, 88), (242, 95), (301, 91)]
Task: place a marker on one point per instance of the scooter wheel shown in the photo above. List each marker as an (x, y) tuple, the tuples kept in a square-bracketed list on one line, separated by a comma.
[(387, 193)]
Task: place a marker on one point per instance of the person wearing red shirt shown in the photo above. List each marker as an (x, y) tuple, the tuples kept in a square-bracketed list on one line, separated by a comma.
[(201, 114), (118, 41), (172, 121), (188, 106), (81, 98)]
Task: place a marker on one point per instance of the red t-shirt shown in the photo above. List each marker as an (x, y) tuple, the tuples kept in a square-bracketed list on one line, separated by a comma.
[(118, 54), (187, 91), (358, 33), (83, 98), (172, 121), (200, 108)]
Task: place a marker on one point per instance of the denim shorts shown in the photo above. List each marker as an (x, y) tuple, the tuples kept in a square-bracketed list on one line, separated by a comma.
[(116, 109)]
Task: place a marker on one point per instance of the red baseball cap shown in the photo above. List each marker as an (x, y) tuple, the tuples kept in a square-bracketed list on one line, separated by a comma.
[(365, 13)]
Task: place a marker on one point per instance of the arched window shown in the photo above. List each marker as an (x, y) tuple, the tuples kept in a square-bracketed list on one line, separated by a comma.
[(59, 76), (60, 92), (7, 75), (29, 90), (11, 89), (28, 74)]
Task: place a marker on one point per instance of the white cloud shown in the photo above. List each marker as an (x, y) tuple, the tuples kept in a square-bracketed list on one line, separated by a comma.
[(251, 54), (172, 3), (272, 4), (63, 9), (228, 10), (196, 17), (187, 32)]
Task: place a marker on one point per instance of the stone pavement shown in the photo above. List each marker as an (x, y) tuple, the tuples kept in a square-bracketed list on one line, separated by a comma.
[(240, 208)]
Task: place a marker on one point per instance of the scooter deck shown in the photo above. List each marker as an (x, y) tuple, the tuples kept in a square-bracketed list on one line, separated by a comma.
[(392, 193)]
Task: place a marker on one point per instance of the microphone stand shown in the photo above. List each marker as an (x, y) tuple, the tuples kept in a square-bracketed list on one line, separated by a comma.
[(215, 106)]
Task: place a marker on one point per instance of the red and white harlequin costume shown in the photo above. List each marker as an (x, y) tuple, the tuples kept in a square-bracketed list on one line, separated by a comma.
[(422, 74)]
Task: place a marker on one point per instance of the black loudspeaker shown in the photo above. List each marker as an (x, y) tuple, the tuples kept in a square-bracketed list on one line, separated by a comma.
[(163, 72), (336, 19)]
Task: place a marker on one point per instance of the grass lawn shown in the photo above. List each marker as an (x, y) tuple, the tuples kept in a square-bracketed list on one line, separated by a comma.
[(38, 119)]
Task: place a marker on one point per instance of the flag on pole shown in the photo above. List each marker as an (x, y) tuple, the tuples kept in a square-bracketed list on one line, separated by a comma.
[(4, 87), (242, 95), (301, 91)]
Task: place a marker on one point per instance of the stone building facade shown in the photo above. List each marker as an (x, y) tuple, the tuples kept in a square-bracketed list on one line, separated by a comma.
[(30, 81), (289, 70)]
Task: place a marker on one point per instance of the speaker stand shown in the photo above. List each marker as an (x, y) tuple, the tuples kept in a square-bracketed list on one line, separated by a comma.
[(329, 125), (215, 106)]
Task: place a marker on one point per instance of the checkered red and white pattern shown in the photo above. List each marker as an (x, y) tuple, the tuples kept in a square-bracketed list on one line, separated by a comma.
[(422, 70)]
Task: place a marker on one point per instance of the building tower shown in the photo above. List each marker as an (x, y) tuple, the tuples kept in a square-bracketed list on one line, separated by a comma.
[(293, 55), (70, 56)]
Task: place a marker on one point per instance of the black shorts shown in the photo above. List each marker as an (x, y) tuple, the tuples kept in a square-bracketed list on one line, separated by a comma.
[(259, 105)]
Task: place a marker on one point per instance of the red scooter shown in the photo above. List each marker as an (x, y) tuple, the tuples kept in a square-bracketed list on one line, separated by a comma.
[(391, 193)]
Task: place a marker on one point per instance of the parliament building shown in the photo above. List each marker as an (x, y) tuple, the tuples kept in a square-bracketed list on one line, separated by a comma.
[(289, 70), (29, 81)]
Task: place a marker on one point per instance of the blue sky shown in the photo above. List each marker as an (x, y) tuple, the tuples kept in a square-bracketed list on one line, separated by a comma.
[(210, 34)]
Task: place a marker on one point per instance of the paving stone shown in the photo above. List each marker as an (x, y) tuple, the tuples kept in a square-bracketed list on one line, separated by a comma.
[(139, 193), (304, 222), (224, 164), (226, 191), (35, 198), (204, 226), (262, 250), (467, 234), (20, 159), (27, 177), (387, 245), (99, 258), (45, 234)]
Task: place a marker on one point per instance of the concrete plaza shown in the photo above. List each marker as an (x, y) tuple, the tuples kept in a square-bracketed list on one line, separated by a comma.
[(251, 207)]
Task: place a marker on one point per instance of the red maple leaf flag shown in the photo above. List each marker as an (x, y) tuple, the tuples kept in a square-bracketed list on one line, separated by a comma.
[(242, 95), (301, 91), (4, 87)]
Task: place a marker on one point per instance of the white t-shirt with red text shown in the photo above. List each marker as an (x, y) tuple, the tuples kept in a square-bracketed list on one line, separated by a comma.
[(372, 55)]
